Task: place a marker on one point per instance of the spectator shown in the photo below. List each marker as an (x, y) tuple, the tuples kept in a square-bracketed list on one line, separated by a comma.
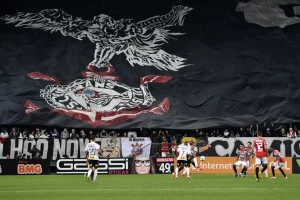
[(132, 133), (243, 132), (226, 134), (22, 135), (232, 134), (13, 134), (112, 134), (91, 133), (268, 132), (282, 131), (65, 134), (103, 134), (173, 148), (237, 134), (213, 133), (164, 148), (3, 136), (291, 133), (173, 139), (54, 134), (31, 136), (82, 134), (43, 135), (73, 135), (35, 152)]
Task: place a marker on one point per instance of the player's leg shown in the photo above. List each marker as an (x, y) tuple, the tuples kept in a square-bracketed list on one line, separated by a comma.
[(181, 167), (187, 168), (273, 166), (257, 163), (179, 163), (90, 170), (95, 170), (244, 169), (280, 167), (195, 163), (193, 159), (234, 168), (264, 164), (185, 164)]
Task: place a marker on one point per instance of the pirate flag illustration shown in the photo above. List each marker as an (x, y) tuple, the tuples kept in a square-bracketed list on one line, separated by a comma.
[(139, 41)]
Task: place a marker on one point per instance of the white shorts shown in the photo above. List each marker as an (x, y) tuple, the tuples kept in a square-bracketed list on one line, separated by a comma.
[(278, 165), (259, 161), (243, 163)]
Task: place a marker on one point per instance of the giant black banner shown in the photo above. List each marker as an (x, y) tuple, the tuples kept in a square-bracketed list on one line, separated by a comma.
[(24, 167), (167, 64)]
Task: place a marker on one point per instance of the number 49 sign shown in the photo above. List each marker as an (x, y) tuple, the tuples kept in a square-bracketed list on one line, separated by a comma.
[(164, 165)]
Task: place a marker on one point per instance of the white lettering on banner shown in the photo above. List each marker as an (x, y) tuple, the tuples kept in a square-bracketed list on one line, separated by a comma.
[(64, 164), (26, 148), (42, 144), (139, 146), (228, 146), (15, 149), (59, 147), (72, 147), (217, 166), (82, 145), (106, 166)]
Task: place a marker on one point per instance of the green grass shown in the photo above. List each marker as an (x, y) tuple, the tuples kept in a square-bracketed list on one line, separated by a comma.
[(142, 187)]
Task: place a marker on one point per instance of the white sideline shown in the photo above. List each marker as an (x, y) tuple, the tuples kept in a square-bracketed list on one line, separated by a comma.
[(149, 189)]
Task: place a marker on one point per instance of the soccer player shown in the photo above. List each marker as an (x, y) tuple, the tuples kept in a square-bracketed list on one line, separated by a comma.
[(183, 150), (261, 151), (193, 159), (92, 150), (241, 160), (278, 163)]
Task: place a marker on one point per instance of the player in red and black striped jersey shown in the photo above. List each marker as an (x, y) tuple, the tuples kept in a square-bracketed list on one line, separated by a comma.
[(278, 163)]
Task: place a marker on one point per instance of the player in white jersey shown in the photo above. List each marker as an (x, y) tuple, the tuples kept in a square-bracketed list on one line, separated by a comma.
[(183, 152), (92, 151)]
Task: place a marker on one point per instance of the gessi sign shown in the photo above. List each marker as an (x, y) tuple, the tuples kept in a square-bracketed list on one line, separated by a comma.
[(223, 165)]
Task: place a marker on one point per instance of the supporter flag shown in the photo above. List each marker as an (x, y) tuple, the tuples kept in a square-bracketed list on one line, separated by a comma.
[(159, 64)]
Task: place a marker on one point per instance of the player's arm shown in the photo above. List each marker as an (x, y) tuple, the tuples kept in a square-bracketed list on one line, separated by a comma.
[(238, 157), (87, 157), (99, 150), (252, 150), (266, 148)]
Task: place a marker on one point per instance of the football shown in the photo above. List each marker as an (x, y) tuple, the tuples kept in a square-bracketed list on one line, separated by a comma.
[(202, 158)]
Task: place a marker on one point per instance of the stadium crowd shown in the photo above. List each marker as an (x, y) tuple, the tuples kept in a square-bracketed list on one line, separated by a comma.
[(157, 135)]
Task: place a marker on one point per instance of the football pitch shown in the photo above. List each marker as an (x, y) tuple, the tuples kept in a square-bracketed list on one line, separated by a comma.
[(208, 186)]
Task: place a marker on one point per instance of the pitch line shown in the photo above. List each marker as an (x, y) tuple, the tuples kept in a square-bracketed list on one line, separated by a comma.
[(149, 189)]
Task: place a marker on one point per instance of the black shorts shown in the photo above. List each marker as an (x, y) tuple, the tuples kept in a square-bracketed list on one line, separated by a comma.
[(93, 163), (189, 160), (181, 162)]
